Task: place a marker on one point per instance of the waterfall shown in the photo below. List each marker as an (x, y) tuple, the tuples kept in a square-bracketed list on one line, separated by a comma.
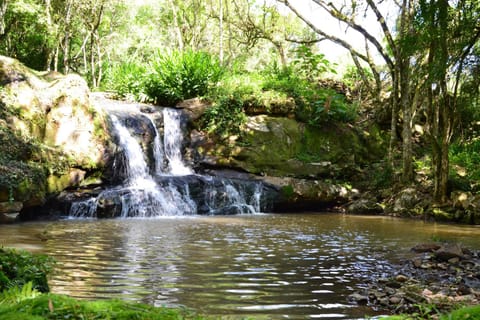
[(165, 185), (173, 140)]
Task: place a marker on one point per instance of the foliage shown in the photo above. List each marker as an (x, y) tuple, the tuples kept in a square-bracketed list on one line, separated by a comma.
[(310, 65), (16, 294), (463, 313), (18, 267), (59, 307), (315, 105), (465, 160), (31, 38), (225, 117), (182, 75), (126, 79)]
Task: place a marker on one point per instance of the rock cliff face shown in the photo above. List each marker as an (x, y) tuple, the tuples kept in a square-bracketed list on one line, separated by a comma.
[(302, 161), (51, 137)]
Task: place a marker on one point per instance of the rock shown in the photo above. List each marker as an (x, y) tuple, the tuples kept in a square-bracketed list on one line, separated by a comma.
[(6, 217), (194, 107), (52, 133), (426, 247), (364, 206), (278, 146), (395, 300), (454, 260), (401, 278), (358, 298), (406, 200), (449, 251), (10, 206)]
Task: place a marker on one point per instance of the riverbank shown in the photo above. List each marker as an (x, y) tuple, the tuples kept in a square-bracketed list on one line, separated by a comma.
[(434, 279)]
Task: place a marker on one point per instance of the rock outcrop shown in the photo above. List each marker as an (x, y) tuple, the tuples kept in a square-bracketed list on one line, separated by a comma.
[(51, 137), (306, 163)]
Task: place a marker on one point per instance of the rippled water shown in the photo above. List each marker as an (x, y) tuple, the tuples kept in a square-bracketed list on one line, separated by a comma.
[(262, 266)]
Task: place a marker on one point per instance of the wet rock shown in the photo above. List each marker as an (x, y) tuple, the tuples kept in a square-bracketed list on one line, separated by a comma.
[(426, 247), (358, 298)]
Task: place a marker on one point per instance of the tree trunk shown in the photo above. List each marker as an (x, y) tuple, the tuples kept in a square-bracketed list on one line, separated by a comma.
[(178, 31), (66, 40), (407, 154), (220, 33), (3, 10)]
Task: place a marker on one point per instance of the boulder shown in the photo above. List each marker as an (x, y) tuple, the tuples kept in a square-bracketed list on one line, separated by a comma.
[(280, 146), (51, 136), (449, 251)]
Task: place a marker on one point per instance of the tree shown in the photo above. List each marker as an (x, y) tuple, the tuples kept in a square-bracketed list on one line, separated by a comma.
[(446, 31), (395, 54)]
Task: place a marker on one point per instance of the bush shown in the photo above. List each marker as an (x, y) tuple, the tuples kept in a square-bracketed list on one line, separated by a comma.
[(465, 160), (225, 117), (127, 81), (315, 105), (18, 267), (182, 75)]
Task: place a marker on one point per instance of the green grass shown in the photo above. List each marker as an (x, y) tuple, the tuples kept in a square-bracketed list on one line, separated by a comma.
[(53, 307), (465, 313)]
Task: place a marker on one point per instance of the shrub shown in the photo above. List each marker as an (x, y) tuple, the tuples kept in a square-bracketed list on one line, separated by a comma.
[(315, 105), (182, 75), (465, 160), (18, 267), (225, 117), (127, 81)]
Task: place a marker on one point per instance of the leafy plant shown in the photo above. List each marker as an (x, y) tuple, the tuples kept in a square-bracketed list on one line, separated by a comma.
[(16, 294), (226, 117), (127, 81), (18, 267), (182, 75), (310, 65)]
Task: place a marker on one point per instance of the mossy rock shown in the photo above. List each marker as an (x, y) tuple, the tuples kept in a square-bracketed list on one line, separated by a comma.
[(281, 146), (48, 125)]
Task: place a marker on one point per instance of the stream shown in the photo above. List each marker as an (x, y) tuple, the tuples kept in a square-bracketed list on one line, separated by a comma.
[(264, 266)]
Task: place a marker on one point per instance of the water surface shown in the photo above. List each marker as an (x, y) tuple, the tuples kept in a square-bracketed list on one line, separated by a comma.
[(263, 266)]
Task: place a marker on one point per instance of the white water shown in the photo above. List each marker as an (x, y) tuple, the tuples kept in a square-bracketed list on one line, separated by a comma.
[(172, 141), (140, 195)]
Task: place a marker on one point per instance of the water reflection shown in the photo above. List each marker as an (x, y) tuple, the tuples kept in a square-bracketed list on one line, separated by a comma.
[(266, 266)]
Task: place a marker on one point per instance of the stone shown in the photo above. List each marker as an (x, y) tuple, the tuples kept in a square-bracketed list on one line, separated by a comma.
[(395, 299), (449, 251), (10, 206), (401, 278), (426, 247), (358, 298), (364, 206), (194, 107)]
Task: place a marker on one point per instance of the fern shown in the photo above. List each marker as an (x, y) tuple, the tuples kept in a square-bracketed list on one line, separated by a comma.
[(16, 294)]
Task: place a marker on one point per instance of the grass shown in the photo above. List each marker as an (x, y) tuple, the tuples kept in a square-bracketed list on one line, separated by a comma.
[(465, 313), (52, 307)]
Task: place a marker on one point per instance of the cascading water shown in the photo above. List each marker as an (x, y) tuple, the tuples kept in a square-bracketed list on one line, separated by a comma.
[(172, 142), (166, 187)]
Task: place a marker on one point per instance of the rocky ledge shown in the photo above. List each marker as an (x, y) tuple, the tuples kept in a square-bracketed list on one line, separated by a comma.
[(434, 279)]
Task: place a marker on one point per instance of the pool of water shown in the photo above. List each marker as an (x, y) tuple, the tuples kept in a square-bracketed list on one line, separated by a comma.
[(298, 266)]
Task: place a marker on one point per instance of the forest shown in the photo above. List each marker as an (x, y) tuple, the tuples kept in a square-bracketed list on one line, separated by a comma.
[(418, 66), (364, 107)]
